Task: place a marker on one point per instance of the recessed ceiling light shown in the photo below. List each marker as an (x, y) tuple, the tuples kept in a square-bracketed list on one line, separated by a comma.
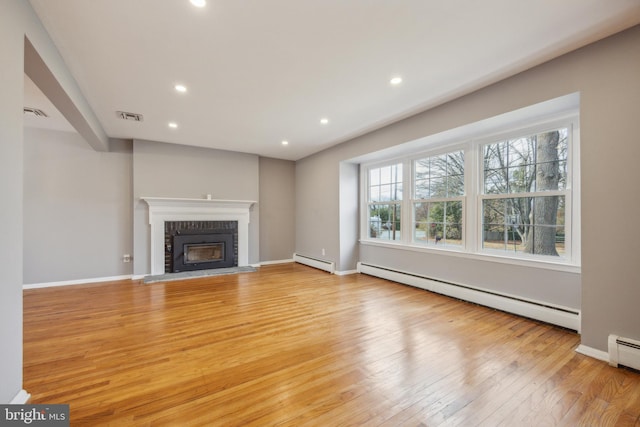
[(324, 121), (199, 3), (180, 88), (285, 142), (396, 81), (173, 125)]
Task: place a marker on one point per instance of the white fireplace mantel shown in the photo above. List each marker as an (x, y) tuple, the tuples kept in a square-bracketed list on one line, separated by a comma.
[(162, 209)]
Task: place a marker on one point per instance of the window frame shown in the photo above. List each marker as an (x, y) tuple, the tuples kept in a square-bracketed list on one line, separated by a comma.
[(472, 199), (567, 193), (445, 150), (365, 230)]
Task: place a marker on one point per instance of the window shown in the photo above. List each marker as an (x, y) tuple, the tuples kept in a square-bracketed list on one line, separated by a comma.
[(509, 196), (384, 202), (525, 193), (438, 189)]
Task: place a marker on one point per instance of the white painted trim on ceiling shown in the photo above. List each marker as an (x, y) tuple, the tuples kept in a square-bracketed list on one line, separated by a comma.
[(77, 282)]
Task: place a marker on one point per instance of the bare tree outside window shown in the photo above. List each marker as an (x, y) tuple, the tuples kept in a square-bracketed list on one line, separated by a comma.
[(515, 196), (534, 170), (438, 195)]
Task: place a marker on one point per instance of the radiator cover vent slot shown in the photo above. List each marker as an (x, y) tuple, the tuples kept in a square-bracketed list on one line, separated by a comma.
[(624, 351)]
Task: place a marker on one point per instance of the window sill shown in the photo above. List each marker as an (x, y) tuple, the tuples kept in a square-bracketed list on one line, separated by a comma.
[(485, 256)]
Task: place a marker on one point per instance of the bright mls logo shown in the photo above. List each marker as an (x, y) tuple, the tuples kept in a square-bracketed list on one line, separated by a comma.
[(34, 415)]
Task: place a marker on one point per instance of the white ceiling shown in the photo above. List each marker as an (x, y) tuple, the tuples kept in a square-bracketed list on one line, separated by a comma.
[(259, 72)]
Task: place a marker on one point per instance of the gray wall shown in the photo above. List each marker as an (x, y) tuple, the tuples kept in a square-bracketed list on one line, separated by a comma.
[(170, 170), (606, 75), (77, 208), (277, 209), (349, 219), (66, 178), (610, 75), (12, 30), (17, 19), (317, 207)]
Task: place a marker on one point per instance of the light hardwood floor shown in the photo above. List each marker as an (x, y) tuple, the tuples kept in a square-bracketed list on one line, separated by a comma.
[(290, 345)]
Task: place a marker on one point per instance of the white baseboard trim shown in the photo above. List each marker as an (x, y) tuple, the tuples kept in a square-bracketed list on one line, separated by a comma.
[(556, 315), (279, 261), (21, 398), (77, 282), (345, 273), (593, 352)]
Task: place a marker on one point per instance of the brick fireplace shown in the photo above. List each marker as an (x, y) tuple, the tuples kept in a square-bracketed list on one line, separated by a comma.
[(225, 223)]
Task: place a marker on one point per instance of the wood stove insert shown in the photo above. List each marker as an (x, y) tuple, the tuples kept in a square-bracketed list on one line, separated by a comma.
[(200, 245)]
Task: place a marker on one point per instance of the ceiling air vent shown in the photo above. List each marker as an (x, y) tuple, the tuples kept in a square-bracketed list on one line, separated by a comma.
[(134, 117), (30, 111)]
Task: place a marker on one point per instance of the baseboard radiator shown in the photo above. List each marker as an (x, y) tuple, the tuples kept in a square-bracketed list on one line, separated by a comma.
[(566, 317), (315, 263), (624, 351)]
